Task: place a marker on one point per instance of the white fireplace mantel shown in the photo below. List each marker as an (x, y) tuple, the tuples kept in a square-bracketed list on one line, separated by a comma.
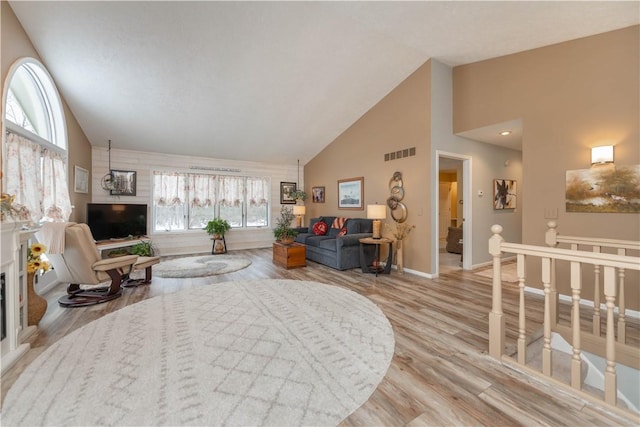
[(13, 264)]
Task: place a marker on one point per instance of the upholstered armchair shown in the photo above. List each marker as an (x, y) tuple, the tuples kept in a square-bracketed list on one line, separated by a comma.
[(454, 244), (80, 264)]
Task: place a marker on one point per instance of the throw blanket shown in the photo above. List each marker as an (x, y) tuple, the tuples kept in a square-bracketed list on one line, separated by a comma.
[(52, 236)]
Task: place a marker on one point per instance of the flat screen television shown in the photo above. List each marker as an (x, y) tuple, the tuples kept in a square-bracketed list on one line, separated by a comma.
[(116, 220)]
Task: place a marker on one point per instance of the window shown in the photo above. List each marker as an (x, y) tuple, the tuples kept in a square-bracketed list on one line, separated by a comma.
[(187, 201), (36, 143)]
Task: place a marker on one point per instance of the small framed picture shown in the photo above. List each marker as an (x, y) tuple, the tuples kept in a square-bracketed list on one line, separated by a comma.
[(350, 193), (124, 182), (317, 194), (286, 193), (504, 194), (81, 180)]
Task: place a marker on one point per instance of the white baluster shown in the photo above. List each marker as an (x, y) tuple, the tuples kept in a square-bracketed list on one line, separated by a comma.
[(610, 380), (522, 338), (596, 296), (576, 362), (622, 324), (546, 349)]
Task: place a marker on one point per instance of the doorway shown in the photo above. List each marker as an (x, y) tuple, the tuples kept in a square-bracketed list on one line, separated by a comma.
[(453, 201)]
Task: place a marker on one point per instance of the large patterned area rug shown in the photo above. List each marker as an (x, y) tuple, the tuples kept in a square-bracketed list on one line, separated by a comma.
[(200, 266), (260, 352)]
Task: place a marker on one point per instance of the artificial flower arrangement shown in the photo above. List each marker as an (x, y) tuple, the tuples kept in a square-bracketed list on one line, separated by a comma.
[(401, 231), (8, 209), (6, 204), (35, 264)]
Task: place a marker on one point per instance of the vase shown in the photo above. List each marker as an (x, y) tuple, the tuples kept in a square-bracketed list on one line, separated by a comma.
[(399, 260), (36, 305)]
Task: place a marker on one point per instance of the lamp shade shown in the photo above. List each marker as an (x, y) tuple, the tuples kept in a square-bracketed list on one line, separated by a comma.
[(602, 154), (376, 211), (299, 210)]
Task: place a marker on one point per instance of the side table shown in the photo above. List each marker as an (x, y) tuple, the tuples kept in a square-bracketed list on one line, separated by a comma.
[(374, 267), (219, 245)]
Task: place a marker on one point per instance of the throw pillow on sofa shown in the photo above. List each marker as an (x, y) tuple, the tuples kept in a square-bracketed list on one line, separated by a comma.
[(339, 222), (320, 228), (343, 231)]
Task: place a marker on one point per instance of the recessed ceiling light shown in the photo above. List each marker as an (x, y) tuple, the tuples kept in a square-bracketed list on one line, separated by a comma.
[(505, 132)]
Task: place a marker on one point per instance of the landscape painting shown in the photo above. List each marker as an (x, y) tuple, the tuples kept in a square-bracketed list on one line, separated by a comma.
[(604, 189), (350, 193)]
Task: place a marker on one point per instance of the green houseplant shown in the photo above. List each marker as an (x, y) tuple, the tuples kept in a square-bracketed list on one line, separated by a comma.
[(283, 232), (142, 249), (217, 227), (299, 196)]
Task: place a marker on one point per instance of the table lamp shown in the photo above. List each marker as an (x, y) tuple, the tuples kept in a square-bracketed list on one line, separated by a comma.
[(299, 211), (376, 213)]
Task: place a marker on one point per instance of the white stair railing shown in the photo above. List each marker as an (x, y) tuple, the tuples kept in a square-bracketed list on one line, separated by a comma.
[(597, 245), (547, 257)]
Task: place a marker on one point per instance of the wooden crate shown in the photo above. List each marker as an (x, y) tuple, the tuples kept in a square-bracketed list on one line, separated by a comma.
[(289, 256)]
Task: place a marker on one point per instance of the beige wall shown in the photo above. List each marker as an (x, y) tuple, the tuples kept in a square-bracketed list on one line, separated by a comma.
[(400, 120), (15, 45), (570, 96)]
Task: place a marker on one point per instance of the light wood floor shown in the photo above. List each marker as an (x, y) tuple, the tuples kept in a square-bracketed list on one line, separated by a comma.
[(441, 373)]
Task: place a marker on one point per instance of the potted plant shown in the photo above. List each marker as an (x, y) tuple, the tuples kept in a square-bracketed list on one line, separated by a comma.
[(283, 232), (299, 196), (142, 249), (217, 227), (118, 252)]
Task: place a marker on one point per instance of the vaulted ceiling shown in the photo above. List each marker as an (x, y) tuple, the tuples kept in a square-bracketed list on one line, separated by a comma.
[(270, 81)]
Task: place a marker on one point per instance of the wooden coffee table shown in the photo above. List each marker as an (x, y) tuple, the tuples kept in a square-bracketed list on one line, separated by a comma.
[(289, 256)]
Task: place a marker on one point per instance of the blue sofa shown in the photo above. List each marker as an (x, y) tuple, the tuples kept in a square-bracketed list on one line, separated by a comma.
[(339, 252)]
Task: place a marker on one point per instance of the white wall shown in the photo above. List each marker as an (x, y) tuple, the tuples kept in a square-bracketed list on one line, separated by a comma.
[(488, 163), (193, 241)]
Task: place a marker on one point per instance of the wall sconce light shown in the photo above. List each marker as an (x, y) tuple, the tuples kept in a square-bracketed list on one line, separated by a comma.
[(376, 213), (602, 154), (299, 211)]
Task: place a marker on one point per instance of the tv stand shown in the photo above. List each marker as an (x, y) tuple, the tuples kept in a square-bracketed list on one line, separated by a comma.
[(105, 245)]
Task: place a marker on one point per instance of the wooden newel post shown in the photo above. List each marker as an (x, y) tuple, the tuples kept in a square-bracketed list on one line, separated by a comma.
[(496, 320)]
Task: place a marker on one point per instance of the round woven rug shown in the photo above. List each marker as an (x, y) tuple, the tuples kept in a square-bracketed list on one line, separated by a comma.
[(258, 352), (200, 266)]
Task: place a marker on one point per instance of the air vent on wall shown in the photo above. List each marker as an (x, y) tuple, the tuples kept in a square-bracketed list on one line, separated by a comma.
[(394, 155)]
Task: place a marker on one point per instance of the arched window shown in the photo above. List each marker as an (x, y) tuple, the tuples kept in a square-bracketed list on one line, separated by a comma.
[(35, 143)]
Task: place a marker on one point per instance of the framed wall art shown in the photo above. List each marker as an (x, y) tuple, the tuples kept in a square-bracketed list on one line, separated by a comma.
[(124, 182), (603, 189), (81, 180), (286, 193), (317, 194), (351, 193), (504, 194)]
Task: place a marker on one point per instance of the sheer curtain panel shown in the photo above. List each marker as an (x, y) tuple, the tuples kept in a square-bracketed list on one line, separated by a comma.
[(55, 200)]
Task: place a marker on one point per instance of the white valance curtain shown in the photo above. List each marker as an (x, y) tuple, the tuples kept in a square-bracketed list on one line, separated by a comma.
[(169, 189), (202, 190), (37, 177), (230, 190), (257, 191)]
